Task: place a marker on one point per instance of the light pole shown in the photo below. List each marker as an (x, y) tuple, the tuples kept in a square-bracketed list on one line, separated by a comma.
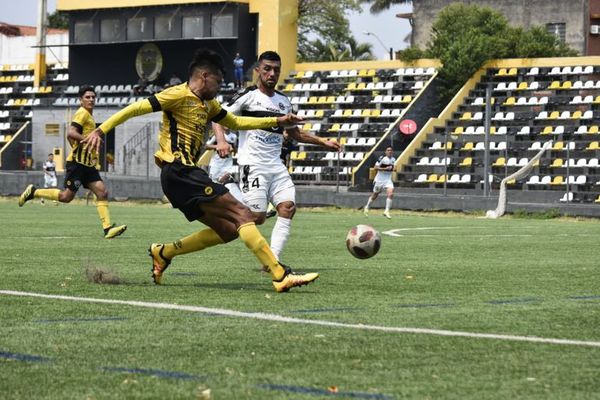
[(387, 49)]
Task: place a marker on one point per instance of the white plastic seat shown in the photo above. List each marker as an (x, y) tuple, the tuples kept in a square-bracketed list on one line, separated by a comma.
[(533, 180)]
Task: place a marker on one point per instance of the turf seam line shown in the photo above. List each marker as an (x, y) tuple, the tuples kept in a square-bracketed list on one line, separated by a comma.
[(280, 318)]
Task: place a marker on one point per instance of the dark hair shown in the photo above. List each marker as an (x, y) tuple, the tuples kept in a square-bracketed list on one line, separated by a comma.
[(269, 55), (207, 59), (84, 89), (50, 154)]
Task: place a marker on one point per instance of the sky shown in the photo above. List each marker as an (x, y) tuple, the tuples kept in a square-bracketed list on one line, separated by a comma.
[(387, 30)]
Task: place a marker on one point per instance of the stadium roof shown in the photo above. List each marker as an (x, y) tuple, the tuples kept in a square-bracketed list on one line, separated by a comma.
[(69, 5)]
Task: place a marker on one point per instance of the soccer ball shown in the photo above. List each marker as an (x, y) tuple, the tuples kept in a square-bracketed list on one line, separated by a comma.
[(363, 241)]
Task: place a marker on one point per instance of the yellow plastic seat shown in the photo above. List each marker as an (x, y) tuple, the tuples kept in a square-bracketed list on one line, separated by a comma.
[(441, 178), (512, 71), (554, 85), (312, 100), (468, 146), (347, 113), (558, 146), (554, 115), (593, 129), (467, 162), (319, 114), (351, 86), (466, 116), (334, 128), (566, 85), (510, 101), (294, 155), (500, 162), (459, 130), (548, 130), (576, 114), (593, 146), (375, 113), (557, 180), (523, 86), (432, 178), (406, 99), (557, 163), (306, 127), (289, 87), (502, 72)]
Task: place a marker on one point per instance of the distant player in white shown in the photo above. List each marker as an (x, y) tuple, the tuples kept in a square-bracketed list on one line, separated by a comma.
[(383, 180), (221, 169), (263, 177), (50, 180)]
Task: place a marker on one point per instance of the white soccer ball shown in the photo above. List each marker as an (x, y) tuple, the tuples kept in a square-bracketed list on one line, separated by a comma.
[(363, 241)]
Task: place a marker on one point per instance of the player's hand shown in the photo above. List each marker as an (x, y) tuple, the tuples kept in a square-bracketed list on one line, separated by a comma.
[(93, 141), (333, 145), (289, 120), (223, 149)]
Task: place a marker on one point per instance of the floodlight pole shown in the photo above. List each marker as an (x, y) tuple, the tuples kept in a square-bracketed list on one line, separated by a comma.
[(389, 50), (40, 54), (486, 153)]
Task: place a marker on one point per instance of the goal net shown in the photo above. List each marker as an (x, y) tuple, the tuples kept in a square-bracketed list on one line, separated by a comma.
[(520, 174)]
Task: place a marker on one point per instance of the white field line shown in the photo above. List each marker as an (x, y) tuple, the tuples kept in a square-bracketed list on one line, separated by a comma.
[(279, 318)]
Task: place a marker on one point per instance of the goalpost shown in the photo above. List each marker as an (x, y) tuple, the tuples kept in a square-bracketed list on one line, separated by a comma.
[(520, 174)]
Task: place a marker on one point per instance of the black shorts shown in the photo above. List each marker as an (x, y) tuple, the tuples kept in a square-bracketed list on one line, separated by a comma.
[(188, 187), (80, 175)]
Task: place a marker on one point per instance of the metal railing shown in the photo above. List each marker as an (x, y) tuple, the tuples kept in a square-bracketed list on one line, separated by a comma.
[(137, 152)]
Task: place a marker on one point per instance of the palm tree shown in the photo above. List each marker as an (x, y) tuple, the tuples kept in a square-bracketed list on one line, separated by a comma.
[(378, 6)]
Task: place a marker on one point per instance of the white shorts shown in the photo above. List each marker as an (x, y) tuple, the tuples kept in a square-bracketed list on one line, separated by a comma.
[(378, 187), (263, 184), (50, 181)]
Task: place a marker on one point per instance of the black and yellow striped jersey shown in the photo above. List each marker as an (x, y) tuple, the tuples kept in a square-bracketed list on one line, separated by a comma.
[(84, 123), (185, 120)]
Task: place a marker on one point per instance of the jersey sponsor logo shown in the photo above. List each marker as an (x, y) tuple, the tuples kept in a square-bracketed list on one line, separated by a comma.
[(281, 106), (266, 139)]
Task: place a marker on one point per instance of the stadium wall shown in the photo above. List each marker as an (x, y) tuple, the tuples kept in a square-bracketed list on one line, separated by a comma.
[(122, 188)]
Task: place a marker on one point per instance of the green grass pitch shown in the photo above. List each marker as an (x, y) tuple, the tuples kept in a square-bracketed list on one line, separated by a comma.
[(458, 273)]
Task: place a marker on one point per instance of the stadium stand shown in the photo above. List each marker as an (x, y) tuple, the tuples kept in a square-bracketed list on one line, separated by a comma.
[(551, 99), (354, 106)]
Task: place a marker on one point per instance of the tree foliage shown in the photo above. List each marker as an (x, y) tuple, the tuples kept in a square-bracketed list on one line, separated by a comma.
[(464, 37), (378, 6), (58, 20), (324, 30)]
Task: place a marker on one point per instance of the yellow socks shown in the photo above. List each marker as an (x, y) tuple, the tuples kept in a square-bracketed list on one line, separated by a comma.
[(48, 194), (257, 244), (102, 207), (194, 242)]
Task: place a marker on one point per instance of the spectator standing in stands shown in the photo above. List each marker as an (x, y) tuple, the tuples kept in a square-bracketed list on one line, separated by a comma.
[(187, 109), (49, 168), (263, 177), (81, 167), (238, 70), (174, 80), (383, 180)]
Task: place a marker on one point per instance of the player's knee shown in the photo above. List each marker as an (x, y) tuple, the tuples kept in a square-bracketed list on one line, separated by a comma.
[(286, 209), (260, 218), (66, 196)]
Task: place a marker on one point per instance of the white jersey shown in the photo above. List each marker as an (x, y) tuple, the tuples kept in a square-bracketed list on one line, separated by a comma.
[(259, 146), (218, 166), (50, 168), (384, 176)]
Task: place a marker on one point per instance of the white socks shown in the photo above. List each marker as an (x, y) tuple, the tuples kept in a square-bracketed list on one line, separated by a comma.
[(368, 203), (280, 235), (388, 204)]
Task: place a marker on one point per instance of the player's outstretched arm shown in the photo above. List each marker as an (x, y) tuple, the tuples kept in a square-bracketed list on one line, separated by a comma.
[(306, 137), (237, 123), (94, 139), (221, 147)]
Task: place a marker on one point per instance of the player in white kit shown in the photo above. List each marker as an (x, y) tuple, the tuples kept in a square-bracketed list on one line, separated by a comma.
[(50, 180), (222, 169), (383, 180), (263, 177)]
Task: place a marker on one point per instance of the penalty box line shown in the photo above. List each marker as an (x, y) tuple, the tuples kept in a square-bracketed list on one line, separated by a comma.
[(290, 320)]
